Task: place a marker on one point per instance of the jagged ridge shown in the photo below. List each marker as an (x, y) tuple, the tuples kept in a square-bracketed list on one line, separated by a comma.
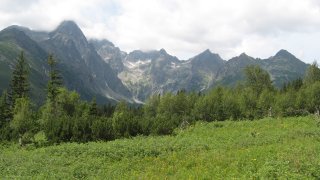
[(99, 68)]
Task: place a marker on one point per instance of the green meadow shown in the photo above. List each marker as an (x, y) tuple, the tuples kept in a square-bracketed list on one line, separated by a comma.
[(284, 148)]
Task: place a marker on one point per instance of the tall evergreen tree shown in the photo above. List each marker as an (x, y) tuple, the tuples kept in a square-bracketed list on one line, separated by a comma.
[(53, 117), (93, 110), (19, 83), (5, 112), (55, 80)]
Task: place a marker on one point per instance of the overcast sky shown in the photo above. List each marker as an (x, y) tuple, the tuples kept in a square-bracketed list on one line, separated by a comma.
[(183, 27)]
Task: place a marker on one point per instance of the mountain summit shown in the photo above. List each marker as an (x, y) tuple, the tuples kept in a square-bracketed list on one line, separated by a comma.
[(207, 56), (284, 54), (69, 28)]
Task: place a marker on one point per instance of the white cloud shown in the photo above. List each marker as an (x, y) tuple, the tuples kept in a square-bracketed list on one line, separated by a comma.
[(183, 27), (46, 14), (228, 27)]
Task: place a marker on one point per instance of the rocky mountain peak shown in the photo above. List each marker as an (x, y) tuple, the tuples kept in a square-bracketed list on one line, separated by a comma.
[(163, 51), (17, 27), (284, 54), (68, 26), (37, 36), (243, 55), (136, 54), (206, 57), (207, 51), (68, 35), (69, 29), (14, 33), (12, 30)]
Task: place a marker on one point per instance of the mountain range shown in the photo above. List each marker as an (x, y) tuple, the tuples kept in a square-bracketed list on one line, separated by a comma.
[(97, 68)]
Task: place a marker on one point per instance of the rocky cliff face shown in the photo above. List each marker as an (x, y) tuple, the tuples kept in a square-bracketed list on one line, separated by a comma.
[(93, 74), (155, 72), (110, 54), (82, 68)]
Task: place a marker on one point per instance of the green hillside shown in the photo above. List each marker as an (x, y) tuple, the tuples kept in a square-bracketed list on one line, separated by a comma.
[(287, 148), (12, 42)]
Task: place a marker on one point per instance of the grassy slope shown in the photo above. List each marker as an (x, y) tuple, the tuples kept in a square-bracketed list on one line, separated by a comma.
[(269, 148)]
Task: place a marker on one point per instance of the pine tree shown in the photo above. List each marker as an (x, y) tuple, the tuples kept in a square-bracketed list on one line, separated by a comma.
[(5, 112), (55, 80), (19, 83), (93, 111), (53, 115)]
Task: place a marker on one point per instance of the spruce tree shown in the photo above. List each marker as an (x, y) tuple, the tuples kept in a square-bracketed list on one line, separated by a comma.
[(5, 112), (93, 111), (52, 114), (55, 80), (19, 83)]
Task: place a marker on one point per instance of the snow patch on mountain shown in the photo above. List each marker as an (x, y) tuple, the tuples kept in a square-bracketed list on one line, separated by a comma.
[(137, 64), (174, 65)]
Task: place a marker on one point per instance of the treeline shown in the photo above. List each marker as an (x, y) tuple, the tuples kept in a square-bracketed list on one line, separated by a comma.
[(65, 117)]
